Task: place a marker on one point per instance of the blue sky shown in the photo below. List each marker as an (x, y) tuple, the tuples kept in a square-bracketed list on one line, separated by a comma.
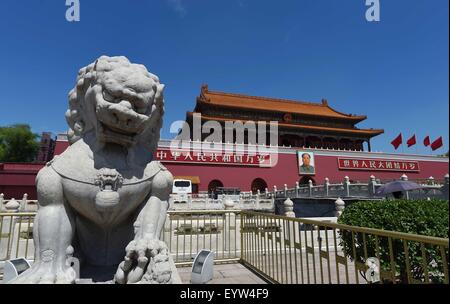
[(394, 71)]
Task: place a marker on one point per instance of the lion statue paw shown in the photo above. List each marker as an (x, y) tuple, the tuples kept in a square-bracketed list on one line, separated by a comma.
[(145, 262)]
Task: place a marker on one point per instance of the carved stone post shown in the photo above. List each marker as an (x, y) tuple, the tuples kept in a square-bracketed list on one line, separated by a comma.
[(339, 206), (297, 189), (24, 202), (2, 200), (267, 192), (258, 194), (289, 208), (12, 206), (347, 186), (404, 177), (285, 190), (327, 186), (189, 201), (310, 185), (431, 180), (8, 227), (445, 187), (228, 204), (372, 183), (274, 191)]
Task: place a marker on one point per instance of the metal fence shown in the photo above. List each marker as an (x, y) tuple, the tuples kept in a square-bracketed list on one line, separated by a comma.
[(16, 235), (185, 232), (296, 250), (281, 249), (188, 232)]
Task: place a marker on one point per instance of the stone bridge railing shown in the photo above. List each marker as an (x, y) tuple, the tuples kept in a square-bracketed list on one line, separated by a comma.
[(22, 205), (431, 189), (204, 201), (265, 200)]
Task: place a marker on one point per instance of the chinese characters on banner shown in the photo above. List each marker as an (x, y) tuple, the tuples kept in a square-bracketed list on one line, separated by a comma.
[(378, 165), (215, 158)]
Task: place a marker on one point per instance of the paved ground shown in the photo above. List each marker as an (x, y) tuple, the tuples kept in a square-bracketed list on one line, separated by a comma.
[(225, 274)]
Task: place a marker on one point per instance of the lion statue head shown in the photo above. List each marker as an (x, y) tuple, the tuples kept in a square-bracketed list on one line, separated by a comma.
[(117, 101)]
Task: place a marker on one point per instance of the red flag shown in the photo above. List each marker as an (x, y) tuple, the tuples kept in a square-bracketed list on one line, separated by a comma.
[(411, 141), (397, 141), (437, 143), (426, 141)]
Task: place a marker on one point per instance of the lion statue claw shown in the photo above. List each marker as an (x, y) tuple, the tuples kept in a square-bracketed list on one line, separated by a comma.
[(143, 253), (104, 200)]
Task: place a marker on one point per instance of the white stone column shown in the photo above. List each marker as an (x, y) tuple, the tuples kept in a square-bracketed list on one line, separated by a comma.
[(445, 187), (228, 204), (258, 194), (404, 177), (24, 202), (339, 206), (310, 185), (297, 189), (347, 186), (372, 183), (12, 206), (189, 201), (327, 186), (2, 200), (289, 208)]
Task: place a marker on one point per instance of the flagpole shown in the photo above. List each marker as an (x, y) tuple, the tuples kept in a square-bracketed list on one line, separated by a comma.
[(429, 144), (415, 136), (429, 147)]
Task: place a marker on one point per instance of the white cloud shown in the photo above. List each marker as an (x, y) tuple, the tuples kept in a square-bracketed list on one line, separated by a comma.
[(178, 7)]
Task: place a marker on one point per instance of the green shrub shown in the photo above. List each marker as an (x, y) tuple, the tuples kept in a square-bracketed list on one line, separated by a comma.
[(422, 217)]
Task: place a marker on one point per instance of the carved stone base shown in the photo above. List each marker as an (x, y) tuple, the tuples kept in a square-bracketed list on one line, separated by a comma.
[(176, 279)]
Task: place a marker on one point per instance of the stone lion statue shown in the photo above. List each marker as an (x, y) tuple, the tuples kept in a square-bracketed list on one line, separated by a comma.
[(104, 200)]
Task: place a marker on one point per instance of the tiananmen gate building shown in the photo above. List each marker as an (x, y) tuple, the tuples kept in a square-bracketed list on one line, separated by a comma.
[(314, 142)]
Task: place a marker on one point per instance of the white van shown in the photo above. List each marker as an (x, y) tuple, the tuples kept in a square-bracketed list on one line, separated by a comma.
[(180, 190), (182, 186)]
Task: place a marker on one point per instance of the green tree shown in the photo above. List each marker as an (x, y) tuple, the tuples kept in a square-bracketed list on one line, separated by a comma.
[(18, 143), (443, 155)]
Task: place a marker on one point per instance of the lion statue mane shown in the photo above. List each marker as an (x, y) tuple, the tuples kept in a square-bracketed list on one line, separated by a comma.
[(109, 71)]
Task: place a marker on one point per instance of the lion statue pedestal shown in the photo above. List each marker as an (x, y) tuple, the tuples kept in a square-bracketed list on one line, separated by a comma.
[(104, 200)]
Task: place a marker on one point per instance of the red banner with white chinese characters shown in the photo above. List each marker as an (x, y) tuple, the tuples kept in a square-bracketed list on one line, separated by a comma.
[(215, 158), (378, 165)]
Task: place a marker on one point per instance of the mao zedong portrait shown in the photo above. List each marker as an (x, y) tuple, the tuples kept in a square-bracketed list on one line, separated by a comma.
[(306, 167)]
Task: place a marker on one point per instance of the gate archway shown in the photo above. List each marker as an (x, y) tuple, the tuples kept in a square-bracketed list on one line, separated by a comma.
[(213, 185), (258, 184)]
